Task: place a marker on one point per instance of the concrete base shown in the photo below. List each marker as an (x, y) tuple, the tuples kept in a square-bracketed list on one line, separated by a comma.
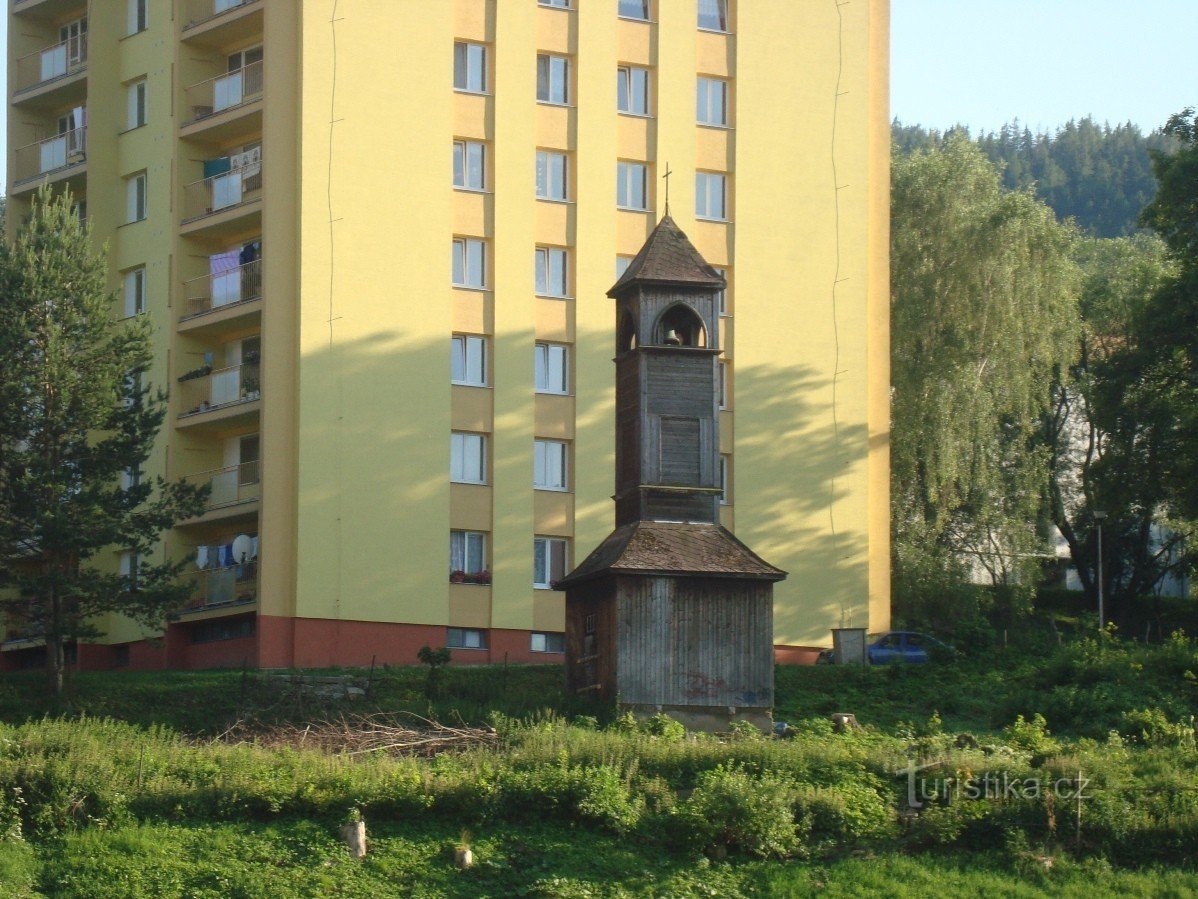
[(707, 719)]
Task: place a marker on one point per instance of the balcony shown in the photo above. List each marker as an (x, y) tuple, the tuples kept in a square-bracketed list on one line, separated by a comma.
[(222, 297), (235, 492), (58, 158), (221, 587), (222, 395), (227, 107), (223, 202), (53, 76), (215, 23), (49, 10)]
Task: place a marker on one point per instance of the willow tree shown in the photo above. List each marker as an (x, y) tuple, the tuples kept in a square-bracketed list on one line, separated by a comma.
[(984, 316), (75, 417)]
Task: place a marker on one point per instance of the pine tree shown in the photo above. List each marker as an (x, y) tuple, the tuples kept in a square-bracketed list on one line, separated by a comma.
[(74, 417)]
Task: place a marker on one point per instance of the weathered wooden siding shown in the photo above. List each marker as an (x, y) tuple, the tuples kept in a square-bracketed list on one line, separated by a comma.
[(590, 668), (653, 301), (692, 642)]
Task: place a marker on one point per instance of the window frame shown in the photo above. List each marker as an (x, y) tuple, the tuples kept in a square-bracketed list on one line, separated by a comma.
[(547, 95), (466, 541), (543, 371), (135, 277), (467, 146), (722, 370), (722, 294), (554, 4), (725, 479), (484, 75), (466, 243), (645, 5), (626, 93), (722, 12), (559, 639), (623, 168), (543, 287), (136, 103), (541, 464), (544, 579), (545, 180), (467, 341), (138, 17), (136, 198), (702, 109), (461, 634), (459, 471), (703, 181)]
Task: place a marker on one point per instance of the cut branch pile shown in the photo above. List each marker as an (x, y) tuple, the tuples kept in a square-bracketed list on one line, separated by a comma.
[(397, 734)]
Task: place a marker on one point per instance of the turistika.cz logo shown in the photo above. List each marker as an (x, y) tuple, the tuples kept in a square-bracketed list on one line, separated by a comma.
[(992, 785)]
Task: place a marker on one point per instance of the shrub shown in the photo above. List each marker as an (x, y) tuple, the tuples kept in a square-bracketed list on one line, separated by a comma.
[(1152, 727), (665, 728), (733, 808), (1032, 736)]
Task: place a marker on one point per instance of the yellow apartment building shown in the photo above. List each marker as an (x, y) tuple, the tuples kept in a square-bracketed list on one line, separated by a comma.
[(374, 240)]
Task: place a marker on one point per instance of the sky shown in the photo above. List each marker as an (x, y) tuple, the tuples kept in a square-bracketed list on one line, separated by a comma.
[(986, 62)]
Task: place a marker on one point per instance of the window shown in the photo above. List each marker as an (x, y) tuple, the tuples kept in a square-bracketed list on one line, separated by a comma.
[(249, 449), (553, 79), (547, 642), (135, 292), (223, 629), (549, 465), (713, 15), (135, 197), (622, 263), (467, 553), (725, 479), (137, 16), (722, 369), (129, 563), (721, 300), (136, 97), (469, 165), (711, 196), (465, 638), (469, 67), (469, 262), (634, 9), (556, 4), (553, 368), (632, 185), (632, 90), (711, 107), (467, 458), (468, 360), (130, 478), (551, 272), (552, 175), (548, 561)]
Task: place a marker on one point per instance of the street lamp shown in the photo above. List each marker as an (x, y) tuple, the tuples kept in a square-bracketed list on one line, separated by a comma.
[(1100, 517)]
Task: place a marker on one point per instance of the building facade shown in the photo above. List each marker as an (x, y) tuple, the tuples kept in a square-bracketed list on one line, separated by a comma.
[(374, 241)]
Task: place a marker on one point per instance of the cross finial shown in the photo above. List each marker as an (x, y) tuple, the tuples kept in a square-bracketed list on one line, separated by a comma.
[(666, 178)]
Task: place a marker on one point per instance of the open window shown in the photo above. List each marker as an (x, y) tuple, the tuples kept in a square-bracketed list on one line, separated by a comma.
[(680, 325)]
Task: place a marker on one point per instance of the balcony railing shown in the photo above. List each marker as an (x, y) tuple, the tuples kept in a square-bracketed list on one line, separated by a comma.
[(231, 486), (199, 12), (51, 63), (240, 284), (50, 155), (223, 92), (217, 193), (225, 585), (220, 388)]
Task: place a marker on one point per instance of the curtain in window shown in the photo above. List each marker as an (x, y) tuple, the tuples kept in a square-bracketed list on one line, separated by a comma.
[(457, 551)]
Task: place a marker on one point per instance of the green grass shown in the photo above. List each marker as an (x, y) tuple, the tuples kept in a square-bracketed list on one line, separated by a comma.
[(125, 806)]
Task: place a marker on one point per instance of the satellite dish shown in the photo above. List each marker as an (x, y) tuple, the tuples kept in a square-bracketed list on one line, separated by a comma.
[(201, 557), (243, 549)]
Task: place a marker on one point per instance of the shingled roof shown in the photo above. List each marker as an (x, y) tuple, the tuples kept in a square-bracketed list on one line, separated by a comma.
[(672, 548), (668, 257)]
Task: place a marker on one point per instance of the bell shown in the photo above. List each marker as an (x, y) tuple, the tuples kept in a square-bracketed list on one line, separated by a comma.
[(672, 338)]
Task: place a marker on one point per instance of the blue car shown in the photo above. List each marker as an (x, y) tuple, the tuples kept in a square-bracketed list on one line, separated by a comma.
[(905, 646)]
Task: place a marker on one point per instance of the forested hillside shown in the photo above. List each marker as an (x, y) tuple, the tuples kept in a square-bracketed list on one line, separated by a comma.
[(1097, 174)]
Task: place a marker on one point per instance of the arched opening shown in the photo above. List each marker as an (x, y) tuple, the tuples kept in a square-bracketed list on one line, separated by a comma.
[(680, 325), (626, 334)]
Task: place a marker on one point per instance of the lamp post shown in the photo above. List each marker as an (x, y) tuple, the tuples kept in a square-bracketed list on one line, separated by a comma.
[(1100, 517)]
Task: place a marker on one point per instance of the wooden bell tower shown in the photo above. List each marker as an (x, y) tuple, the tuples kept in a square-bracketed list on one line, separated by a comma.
[(671, 613)]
